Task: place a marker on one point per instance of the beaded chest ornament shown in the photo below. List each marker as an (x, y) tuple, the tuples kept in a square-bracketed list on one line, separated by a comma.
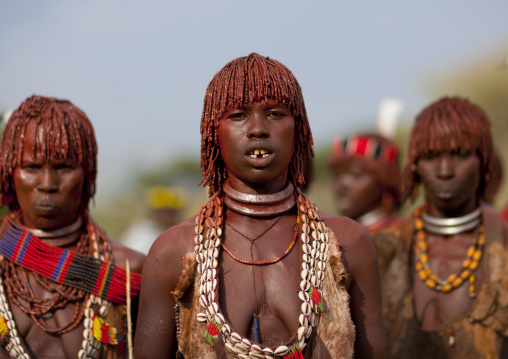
[(96, 329), (314, 237)]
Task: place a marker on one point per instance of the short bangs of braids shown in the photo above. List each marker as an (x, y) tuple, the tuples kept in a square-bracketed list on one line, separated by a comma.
[(450, 124), (66, 133), (243, 81)]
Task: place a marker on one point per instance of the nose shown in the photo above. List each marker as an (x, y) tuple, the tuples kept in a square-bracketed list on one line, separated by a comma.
[(341, 183), (445, 167), (257, 126), (49, 180)]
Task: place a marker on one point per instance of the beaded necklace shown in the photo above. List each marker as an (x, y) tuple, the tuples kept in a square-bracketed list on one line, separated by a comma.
[(96, 329), (208, 239), (264, 262), (453, 281)]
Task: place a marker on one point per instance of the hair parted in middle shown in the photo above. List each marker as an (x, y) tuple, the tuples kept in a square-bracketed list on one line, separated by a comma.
[(244, 81), (64, 131), (449, 124)]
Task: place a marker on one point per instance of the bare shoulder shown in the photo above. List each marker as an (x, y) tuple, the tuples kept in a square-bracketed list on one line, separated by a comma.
[(121, 253), (355, 242), (175, 241), (348, 232), (165, 256)]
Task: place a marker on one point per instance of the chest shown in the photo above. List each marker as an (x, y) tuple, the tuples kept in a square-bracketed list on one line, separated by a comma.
[(268, 292), (446, 260)]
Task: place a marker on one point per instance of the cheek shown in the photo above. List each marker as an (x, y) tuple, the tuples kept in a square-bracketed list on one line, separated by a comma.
[(22, 182)]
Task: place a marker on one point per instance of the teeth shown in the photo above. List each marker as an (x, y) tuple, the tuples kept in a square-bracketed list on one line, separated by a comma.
[(256, 153)]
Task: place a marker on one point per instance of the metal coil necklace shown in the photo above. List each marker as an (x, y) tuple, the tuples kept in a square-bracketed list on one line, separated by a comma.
[(451, 226)]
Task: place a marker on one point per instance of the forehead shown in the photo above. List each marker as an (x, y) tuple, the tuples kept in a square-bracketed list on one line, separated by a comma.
[(262, 102), (37, 145), (445, 138)]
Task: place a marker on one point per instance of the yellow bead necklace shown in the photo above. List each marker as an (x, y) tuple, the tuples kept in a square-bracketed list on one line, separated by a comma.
[(454, 281)]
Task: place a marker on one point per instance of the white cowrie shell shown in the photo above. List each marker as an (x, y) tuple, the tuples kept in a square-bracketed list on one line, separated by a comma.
[(203, 300), (308, 331), (256, 355), (305, 274), (202, 317), (305, 308), (305, 265), (305, 238), (226, 329), (256, 348), (304, 285), (301, 332), (211, 297), (281, 350), (230, 348), (219, 318), (321, 265)]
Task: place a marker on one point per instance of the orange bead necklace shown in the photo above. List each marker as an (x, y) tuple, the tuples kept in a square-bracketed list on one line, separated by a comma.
[(453, 281)]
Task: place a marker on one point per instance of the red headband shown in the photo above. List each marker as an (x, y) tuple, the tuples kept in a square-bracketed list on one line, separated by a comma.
[(366, 147)]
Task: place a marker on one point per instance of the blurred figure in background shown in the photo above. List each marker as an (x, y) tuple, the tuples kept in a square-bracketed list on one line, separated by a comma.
[(164, 208), (444, 270), (366, 178)]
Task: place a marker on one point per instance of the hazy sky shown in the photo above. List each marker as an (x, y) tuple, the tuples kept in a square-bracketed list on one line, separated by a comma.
[(140, 69)]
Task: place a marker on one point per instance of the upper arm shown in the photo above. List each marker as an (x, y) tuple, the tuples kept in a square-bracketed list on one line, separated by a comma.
[(360, 259), (156, 331)]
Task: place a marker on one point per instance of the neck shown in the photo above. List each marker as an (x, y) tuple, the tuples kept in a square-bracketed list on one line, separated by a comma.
[(259, 205), (59, 237), (452, 225), (439, 211), (274, 186)]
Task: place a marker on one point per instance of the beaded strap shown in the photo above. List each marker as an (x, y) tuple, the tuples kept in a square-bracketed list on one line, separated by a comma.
[(90, 345), (90, 274), (313, 233)]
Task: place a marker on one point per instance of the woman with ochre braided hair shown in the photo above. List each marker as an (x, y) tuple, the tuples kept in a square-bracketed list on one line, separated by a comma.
[(444, 270), (259, 272), (366, 179), (62, 280)]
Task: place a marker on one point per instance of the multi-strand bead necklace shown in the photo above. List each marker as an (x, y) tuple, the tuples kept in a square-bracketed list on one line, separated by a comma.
[(208, 240), (469, 265), (91, 344)]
